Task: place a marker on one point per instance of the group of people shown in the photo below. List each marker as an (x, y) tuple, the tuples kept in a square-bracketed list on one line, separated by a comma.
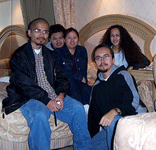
[(51, 79)]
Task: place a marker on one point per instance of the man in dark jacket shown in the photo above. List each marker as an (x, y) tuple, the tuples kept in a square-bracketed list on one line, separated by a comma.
[(111, 99), (38, 87)]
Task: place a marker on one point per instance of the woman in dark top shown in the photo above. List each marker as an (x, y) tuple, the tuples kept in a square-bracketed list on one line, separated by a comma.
[(126, 50), (72, 58)]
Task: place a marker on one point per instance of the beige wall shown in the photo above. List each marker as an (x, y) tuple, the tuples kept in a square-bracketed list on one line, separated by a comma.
[(10, 13), (87, 10)]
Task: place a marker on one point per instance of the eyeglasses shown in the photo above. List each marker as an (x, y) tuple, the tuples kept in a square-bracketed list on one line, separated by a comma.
[(98, 58), (39, 31)]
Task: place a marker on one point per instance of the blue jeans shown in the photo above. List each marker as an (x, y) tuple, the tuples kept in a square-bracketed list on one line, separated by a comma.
[(103, 140), (79, 91), (37, 116)]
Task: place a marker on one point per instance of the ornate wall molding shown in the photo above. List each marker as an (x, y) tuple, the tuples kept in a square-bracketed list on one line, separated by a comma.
[(12, 30), (134, 25)]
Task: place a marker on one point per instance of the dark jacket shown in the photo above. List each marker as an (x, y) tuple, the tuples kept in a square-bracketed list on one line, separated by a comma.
[(23, 83), (110, 94), (66, 60)]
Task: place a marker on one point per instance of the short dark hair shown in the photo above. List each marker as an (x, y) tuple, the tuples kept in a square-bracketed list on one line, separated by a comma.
[(35, 21), (100, 46), (56, 28), (70, 30)]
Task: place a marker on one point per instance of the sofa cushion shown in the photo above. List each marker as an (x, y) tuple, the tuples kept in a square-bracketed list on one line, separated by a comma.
[(91, 73), (146, 95)]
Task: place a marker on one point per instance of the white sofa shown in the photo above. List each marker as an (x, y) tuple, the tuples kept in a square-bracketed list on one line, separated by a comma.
[(136, 132)]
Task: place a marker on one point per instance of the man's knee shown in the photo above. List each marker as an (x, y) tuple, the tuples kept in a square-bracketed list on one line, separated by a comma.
[(42, 115), (78, 107), (34, 110), (39, 118)]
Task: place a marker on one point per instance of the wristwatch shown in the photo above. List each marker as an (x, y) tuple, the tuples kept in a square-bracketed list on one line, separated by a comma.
[(118, 111)]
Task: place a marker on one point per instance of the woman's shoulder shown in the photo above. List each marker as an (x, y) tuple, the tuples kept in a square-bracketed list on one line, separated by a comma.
[(81, 48)]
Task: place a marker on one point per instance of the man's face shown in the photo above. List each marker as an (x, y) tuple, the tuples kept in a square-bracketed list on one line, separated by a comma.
[(57, 40), (104, 60), (39, 34)]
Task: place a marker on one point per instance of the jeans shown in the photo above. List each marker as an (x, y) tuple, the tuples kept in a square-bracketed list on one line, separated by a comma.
[(37, 115), (103, 140), (79, 91)]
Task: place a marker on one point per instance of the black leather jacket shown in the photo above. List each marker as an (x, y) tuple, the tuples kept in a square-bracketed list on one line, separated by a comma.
[(23, 83)]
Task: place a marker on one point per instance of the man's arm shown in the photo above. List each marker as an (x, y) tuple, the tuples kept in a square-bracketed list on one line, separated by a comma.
[(61, 82), (107, 119)]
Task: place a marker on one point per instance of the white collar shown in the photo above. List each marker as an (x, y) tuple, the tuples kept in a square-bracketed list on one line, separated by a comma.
[(37, 51)]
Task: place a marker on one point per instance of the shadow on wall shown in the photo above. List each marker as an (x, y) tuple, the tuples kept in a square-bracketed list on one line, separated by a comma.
[(92, 42)]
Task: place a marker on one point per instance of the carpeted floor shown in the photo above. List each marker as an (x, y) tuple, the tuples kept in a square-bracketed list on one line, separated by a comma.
[(66, 148)]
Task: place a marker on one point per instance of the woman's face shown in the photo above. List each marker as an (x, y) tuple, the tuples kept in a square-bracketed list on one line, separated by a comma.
[(71, 40), (115, 36)]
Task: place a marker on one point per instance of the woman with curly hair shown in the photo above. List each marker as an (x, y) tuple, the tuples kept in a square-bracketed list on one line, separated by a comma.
[(126, 50)]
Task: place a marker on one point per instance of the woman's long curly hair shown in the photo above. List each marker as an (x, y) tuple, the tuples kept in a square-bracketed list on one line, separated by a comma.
[(127, 44)]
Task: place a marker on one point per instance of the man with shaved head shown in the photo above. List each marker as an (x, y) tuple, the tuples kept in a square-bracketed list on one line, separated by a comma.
[(38, 87)]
